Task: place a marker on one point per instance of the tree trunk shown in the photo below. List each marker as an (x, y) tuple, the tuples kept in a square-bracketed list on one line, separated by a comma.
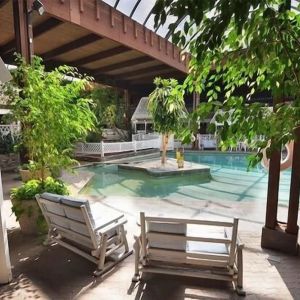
[(165, 140)]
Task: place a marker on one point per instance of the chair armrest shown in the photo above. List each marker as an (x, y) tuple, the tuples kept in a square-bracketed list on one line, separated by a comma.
[(109, 222), (239, 243), (111, 226)]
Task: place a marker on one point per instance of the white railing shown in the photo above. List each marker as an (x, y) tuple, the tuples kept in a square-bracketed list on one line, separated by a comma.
[(207, 141), (103, 148), (9, 129), (144, 136)]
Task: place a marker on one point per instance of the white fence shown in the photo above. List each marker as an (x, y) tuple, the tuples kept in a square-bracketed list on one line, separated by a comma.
[(207, 141), (151, 141), (145, 136), (12, 129), (105, 148)]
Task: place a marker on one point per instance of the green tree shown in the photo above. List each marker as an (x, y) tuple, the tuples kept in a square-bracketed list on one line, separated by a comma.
[(167, 107), (252, 44), (52, 112)]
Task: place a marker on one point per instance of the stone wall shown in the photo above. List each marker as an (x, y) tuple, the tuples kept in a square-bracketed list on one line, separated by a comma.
[(9, 161)]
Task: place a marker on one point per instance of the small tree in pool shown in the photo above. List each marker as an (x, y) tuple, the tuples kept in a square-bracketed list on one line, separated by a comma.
[(167, 107)]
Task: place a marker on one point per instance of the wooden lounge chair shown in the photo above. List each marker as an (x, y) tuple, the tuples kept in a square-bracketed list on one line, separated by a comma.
[(194, 248), (89, 230)]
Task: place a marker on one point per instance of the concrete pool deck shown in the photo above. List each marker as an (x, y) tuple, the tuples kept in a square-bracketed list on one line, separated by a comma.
[(56, 273), (170, 168)]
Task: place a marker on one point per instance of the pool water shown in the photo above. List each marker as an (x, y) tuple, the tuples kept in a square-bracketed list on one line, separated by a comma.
[(230, 181)]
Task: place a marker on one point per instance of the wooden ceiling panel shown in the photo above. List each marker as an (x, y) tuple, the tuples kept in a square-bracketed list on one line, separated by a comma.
[(134, 67), (6, 23), (149, 75), (57, 36), (98, 46), (114, 59)]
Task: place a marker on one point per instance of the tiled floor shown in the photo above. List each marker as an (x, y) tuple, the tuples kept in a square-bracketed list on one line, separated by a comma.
[(56, 273)]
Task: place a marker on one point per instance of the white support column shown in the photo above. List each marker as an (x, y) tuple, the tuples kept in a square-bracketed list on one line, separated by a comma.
[(5, 266), (102, 149)]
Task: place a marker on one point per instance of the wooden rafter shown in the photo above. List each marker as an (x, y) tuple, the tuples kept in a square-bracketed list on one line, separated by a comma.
[(101, 55), (114, 25), (127, 63), (7, 49), (145, 71), (83, 41)]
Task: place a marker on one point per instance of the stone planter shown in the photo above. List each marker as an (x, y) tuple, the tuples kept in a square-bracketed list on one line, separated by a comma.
[(28, 220), (27, 175)]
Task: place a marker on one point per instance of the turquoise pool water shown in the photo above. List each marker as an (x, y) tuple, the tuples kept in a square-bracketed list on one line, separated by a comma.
[(230, 181)]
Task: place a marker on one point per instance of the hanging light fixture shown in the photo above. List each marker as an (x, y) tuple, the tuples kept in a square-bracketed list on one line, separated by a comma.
[(38, 6)]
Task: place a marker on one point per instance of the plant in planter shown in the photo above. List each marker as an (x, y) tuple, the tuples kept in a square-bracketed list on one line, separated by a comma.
[(53, 113), (32, 171), (25, 206)]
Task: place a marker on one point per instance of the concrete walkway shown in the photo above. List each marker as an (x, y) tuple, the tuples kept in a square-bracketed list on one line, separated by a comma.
[(56, 273)]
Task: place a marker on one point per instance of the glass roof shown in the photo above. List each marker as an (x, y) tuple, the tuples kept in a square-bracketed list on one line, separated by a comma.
[(140, 11)]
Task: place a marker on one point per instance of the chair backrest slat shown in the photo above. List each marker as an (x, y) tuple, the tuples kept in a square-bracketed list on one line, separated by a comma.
[(143, 234), (189, 221), (72, 221), (167, 237)]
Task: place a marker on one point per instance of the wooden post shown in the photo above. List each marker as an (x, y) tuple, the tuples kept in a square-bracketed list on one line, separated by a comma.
[(273, 189), (292, 226), (23, 29), (273, 182), (24, 44), (276, 235)]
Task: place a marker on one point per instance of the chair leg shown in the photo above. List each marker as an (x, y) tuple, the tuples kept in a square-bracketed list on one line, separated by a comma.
[(124, 238), (48, 239), (101, 262), (239, 287), (136, 247)]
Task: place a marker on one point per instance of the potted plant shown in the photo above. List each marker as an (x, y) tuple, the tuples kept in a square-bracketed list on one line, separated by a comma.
[(25, 206), (32, 171), (54, 114)]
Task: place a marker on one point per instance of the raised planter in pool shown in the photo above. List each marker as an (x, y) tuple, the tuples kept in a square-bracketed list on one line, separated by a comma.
[(155, 168)]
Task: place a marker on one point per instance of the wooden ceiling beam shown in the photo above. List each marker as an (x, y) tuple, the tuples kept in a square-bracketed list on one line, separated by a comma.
[(83, 41), (144, 71), (127, 63), (100, 55), (46, 26), (104, 79), (145, 79), (100, 18), (8, 49), (3, 2)]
